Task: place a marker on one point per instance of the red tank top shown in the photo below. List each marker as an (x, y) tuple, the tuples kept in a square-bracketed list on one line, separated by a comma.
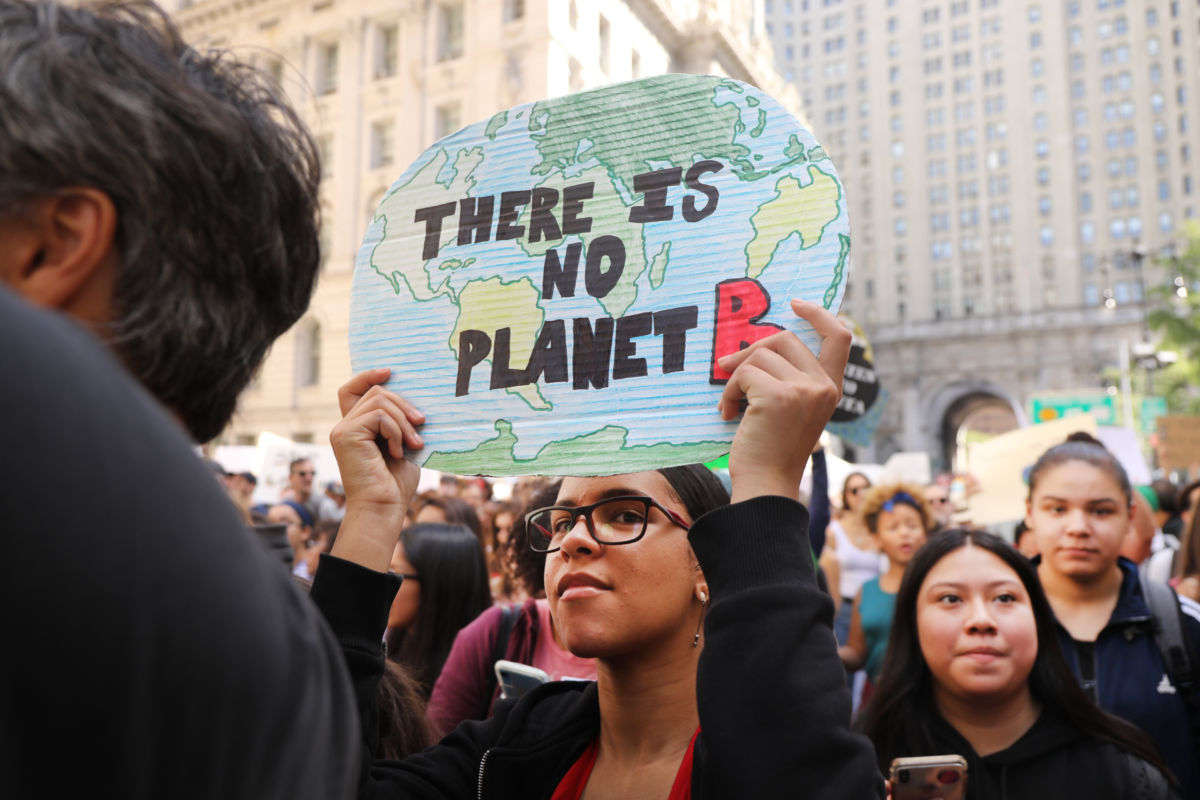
[(573, 783)]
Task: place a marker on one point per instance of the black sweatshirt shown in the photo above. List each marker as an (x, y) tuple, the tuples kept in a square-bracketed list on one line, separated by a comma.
[(774, 708), (1053, 759), (152, 648)]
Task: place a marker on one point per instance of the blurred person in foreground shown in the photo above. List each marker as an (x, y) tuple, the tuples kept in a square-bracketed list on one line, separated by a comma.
[(202, 683)]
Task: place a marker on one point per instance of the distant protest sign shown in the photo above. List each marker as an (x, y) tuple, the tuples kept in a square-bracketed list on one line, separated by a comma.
[(1178, 442), (553, 286), (861, 406), (1001, 466)]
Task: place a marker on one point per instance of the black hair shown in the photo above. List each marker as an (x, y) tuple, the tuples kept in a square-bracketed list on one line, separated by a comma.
[(457, 511), (697, 487), (1168, 495), (527, 566), (454, 590), (1084, 447), (901, 715), (213, 176)]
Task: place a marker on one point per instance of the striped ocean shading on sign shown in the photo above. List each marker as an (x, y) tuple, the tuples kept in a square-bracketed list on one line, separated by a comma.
[(551, 286)]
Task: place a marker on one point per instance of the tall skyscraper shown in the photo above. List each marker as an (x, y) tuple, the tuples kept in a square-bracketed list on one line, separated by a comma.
[(1012, 169), (378, 82)]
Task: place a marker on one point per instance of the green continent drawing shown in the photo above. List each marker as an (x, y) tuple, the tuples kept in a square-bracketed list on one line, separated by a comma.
[(794, 210), (589, 454), (491, 304), (663, 134), (402, 240), (609, 216)]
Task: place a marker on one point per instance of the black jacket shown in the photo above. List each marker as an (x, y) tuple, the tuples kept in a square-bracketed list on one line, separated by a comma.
[(152, 647), (1054, 759), (774, 708)]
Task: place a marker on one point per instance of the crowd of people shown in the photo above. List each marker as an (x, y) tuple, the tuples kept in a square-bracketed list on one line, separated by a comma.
[(698, 637)]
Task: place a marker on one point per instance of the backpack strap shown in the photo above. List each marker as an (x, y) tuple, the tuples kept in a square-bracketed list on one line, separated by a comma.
[(1169, 636), (508, 619), (1176, 650)]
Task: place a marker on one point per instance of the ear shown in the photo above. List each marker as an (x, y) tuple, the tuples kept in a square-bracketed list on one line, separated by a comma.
[(1028, 513), (62, 253)]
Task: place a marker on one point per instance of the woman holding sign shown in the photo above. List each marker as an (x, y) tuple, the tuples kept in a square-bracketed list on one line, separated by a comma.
[(717, 670)]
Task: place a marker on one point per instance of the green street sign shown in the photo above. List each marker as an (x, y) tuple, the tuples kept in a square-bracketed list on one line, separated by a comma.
[(1048, 407), (1152, 409)]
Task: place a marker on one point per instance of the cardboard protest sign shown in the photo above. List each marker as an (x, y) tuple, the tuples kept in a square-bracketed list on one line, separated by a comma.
[(1178, 441), (863, 399), (553, 286), (1000, 465)]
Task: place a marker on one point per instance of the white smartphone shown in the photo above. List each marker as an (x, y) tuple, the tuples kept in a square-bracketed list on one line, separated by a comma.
[(927, 777), (517, 679)]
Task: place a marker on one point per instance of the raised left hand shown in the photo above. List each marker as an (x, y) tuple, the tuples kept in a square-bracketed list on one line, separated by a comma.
[(790, 395)]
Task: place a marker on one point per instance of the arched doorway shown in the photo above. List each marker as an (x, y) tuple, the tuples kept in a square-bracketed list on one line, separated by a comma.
[(972, 418)]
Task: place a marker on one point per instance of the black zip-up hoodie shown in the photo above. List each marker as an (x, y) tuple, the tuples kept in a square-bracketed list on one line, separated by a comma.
[(774, 708), (1053, 759)]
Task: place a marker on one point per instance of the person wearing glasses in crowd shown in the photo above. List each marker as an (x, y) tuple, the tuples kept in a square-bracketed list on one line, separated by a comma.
[(300, 485), (716, 669), (851, 555)]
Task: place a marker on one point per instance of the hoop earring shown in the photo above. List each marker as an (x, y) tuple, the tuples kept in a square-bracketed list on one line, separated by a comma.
[(700, 623)]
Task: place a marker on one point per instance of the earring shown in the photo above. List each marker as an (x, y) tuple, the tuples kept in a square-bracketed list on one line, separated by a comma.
[(700, 623)]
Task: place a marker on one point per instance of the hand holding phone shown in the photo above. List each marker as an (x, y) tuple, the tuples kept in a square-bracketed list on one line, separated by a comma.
[(928, 777)]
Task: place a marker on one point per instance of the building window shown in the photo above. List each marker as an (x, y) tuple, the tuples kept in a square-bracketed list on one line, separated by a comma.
[(1087, 233), (447, 119), (450, 31), (605, 32), (327, 68), (308, 354), (514, 10), (382, 143), (386, 51)]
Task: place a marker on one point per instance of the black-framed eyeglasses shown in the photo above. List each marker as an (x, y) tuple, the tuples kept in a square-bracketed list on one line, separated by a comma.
[(614, 520), (857, 489)]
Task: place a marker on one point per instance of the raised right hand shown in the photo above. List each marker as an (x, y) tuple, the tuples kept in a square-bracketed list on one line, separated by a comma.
[(369, 445)]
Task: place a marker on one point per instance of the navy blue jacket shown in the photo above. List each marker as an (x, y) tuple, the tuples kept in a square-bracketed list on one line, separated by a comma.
[(1131, 680)]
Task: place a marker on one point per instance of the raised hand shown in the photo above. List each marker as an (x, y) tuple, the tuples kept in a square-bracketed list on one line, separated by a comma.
[(790, 395), (369, 444)]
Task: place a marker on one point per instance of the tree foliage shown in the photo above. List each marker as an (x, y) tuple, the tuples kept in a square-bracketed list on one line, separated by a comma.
[(1175, 316)]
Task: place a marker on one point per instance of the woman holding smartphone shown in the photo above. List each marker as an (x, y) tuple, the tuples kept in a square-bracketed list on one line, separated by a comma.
[(717, 674), (973, 668)]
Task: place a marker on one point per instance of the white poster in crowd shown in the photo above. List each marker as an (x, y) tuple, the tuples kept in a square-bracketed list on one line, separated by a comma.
[(1001, 464), (276, 453)]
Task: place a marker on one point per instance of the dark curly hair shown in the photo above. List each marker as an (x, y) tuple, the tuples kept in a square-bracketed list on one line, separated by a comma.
[(213, 176)]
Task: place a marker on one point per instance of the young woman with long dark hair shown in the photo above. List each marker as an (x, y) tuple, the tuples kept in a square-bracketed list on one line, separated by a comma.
[(445, 587), (717, 674), (973, 668), (1079, 509)]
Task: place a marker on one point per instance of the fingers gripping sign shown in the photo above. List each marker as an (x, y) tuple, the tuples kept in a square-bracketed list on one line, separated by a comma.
[(790, 395), (369, 443)]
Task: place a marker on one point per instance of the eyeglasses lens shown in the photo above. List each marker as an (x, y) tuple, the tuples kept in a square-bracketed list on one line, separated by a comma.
[(615, 521)]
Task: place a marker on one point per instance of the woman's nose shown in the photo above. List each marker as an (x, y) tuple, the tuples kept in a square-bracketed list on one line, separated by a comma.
[(980, 616), (578, 540)]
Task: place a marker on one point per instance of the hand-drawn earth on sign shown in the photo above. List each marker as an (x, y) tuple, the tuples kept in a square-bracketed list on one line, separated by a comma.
[(551, 286)]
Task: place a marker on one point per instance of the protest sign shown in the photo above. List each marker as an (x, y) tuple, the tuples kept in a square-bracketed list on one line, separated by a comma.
[(553, 286), (863, 399), (1001, 464), (1178, 441)]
